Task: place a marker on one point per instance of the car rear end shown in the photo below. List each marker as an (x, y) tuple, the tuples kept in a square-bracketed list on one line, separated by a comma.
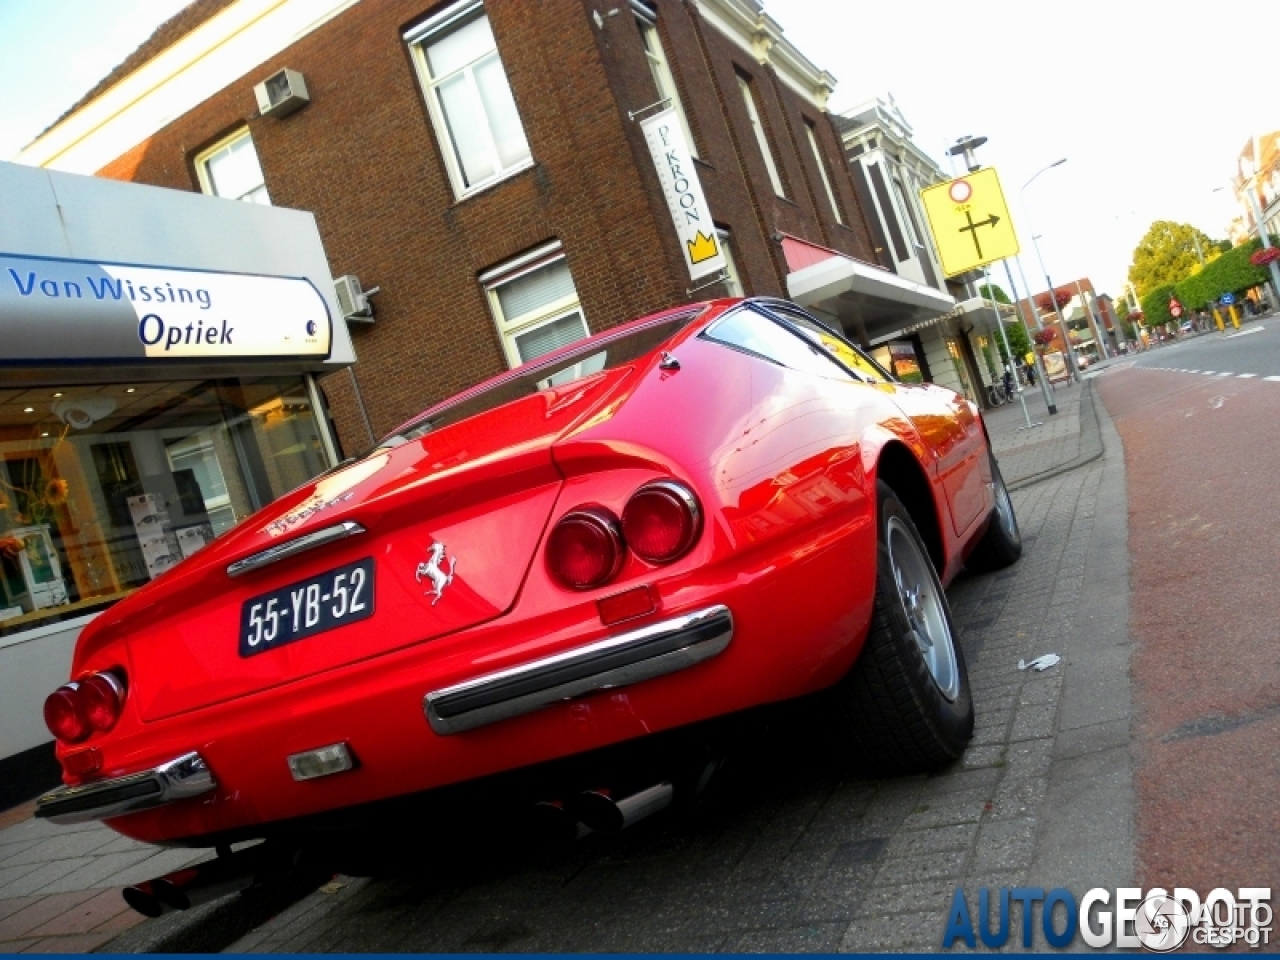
[(540, 568)]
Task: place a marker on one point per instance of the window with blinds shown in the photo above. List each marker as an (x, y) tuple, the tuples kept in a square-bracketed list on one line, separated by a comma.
[(535, 305), (470, 101)]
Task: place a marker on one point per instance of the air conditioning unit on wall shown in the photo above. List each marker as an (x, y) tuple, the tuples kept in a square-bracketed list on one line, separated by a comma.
[(281, 94), (352, 300)]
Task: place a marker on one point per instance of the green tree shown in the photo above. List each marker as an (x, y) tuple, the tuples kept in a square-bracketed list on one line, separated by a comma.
[(1019, 342), (993, 291), (1155, 305), (1166, 255)]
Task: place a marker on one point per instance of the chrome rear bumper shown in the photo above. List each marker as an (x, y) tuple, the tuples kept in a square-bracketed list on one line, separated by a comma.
[(187, 776), (641, 654)]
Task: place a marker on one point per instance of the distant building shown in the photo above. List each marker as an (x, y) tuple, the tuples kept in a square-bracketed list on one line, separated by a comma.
[(957, 348), (1258, 171)]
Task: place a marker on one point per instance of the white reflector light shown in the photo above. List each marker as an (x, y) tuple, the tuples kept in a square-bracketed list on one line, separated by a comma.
[(321, 762)]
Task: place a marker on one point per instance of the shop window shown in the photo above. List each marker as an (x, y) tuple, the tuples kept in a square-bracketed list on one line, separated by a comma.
[(822, 170), (535, 304), (104, 488), (899, 357), (761, 135), (231, 170), (469, 98), (663, 79)]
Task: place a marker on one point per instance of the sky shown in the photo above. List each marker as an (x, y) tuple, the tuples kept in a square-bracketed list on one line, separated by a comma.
[(1150, 103)]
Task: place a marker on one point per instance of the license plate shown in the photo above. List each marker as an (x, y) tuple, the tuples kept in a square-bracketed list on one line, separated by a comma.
[(331, 599)]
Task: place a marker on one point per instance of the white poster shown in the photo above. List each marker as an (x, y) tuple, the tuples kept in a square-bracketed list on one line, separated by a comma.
[(698, 240)]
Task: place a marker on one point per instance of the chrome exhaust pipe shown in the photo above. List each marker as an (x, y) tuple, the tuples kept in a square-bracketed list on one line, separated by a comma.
[(194, 885), (600, 811)]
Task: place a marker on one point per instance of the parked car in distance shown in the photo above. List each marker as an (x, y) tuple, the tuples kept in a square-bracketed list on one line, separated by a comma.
[(698, 513)]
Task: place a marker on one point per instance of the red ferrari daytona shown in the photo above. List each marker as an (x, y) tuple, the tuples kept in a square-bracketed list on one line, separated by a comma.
[(704, 511)]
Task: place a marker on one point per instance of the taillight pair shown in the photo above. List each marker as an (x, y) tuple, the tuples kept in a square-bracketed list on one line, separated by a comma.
[(659, 524), (83, 707)]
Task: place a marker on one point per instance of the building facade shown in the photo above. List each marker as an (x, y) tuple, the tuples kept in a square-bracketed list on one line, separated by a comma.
[(483, 166), (959, 347)]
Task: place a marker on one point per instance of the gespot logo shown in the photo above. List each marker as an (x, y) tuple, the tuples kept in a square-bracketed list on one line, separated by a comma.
[(1154, 920)]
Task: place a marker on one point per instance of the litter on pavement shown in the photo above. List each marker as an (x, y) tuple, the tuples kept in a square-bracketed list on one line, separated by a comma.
[(1040, 664)]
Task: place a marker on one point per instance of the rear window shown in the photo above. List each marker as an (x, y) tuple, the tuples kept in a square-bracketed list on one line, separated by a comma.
[(592, 358)]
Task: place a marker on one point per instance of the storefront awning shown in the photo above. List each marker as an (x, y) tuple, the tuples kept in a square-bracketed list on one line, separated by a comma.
[(868, 300)]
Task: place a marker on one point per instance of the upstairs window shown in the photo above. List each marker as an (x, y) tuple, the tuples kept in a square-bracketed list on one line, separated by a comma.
[(469, 98), (535, 304), (663, 79), (231, 170), (822, 171), (762, 135)]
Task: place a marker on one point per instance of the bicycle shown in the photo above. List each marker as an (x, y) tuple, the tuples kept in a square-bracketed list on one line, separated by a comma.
[(996, 394)]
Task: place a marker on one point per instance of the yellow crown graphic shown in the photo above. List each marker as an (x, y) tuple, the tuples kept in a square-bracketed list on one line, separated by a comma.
[(702, 247)]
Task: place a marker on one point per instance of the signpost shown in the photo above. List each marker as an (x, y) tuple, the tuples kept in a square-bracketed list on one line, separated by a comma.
[(970, 221)]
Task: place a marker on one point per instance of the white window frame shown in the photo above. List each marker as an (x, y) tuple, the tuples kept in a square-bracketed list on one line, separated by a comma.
[(421, 37), (207, 185), (762, 136), (822, 171), (733, 279), (511, 328), (660, 68)]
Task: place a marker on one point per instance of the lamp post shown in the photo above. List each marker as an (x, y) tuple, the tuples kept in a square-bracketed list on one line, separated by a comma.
[(1062, 325), (1045, 390)]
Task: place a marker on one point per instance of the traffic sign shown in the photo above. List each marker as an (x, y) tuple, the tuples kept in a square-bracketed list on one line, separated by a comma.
[(1228, 299), (970, 221), (1175, 307)]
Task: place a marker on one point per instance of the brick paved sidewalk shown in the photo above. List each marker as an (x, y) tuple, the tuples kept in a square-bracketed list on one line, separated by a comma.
[(1025, 452), (60, 885)]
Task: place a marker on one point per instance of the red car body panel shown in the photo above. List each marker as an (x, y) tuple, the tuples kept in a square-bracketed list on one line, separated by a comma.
[(784, 464)]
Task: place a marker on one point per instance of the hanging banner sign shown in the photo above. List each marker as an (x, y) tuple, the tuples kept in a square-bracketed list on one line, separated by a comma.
[(698, 240), (55, 309)]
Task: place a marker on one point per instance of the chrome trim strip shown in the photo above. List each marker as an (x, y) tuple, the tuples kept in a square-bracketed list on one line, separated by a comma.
[(308, 541), (641, 654), (186, 776)]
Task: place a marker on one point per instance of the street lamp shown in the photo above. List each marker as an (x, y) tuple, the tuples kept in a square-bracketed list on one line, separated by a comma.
[(1062, 325)]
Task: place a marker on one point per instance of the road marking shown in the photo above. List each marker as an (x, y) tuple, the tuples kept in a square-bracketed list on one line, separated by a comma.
[(1190, 371), (1227, 374), (1272, 379), (1209, 373), (1243, 333), (1245, 376)]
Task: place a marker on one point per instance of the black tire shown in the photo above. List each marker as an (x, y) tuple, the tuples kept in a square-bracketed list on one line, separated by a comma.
[(898, 714), (1001, 544)]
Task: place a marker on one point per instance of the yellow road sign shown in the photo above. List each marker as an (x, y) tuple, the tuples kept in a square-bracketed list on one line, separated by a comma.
[(970, 221)]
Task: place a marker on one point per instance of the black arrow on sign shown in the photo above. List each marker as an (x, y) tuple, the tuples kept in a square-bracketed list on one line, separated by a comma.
[(972, 228)]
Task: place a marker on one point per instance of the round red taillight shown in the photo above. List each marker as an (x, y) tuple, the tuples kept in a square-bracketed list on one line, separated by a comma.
[(585, 548), (64, 714), (661, 521), (101, 697)]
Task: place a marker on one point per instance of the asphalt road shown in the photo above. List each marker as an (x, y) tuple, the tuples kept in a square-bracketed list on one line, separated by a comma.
[(1253, 351), (1200, 422)]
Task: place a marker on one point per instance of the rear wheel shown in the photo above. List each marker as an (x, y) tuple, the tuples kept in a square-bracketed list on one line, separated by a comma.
[(1001, 545), (906, 703)]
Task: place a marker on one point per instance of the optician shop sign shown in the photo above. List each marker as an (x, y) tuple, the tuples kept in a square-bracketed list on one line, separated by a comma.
[(55, 309)]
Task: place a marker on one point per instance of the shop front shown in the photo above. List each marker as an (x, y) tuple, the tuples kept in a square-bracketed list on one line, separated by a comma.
[(158, 361)]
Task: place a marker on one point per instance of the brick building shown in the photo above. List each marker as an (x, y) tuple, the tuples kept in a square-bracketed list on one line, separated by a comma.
[(481, 164)]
